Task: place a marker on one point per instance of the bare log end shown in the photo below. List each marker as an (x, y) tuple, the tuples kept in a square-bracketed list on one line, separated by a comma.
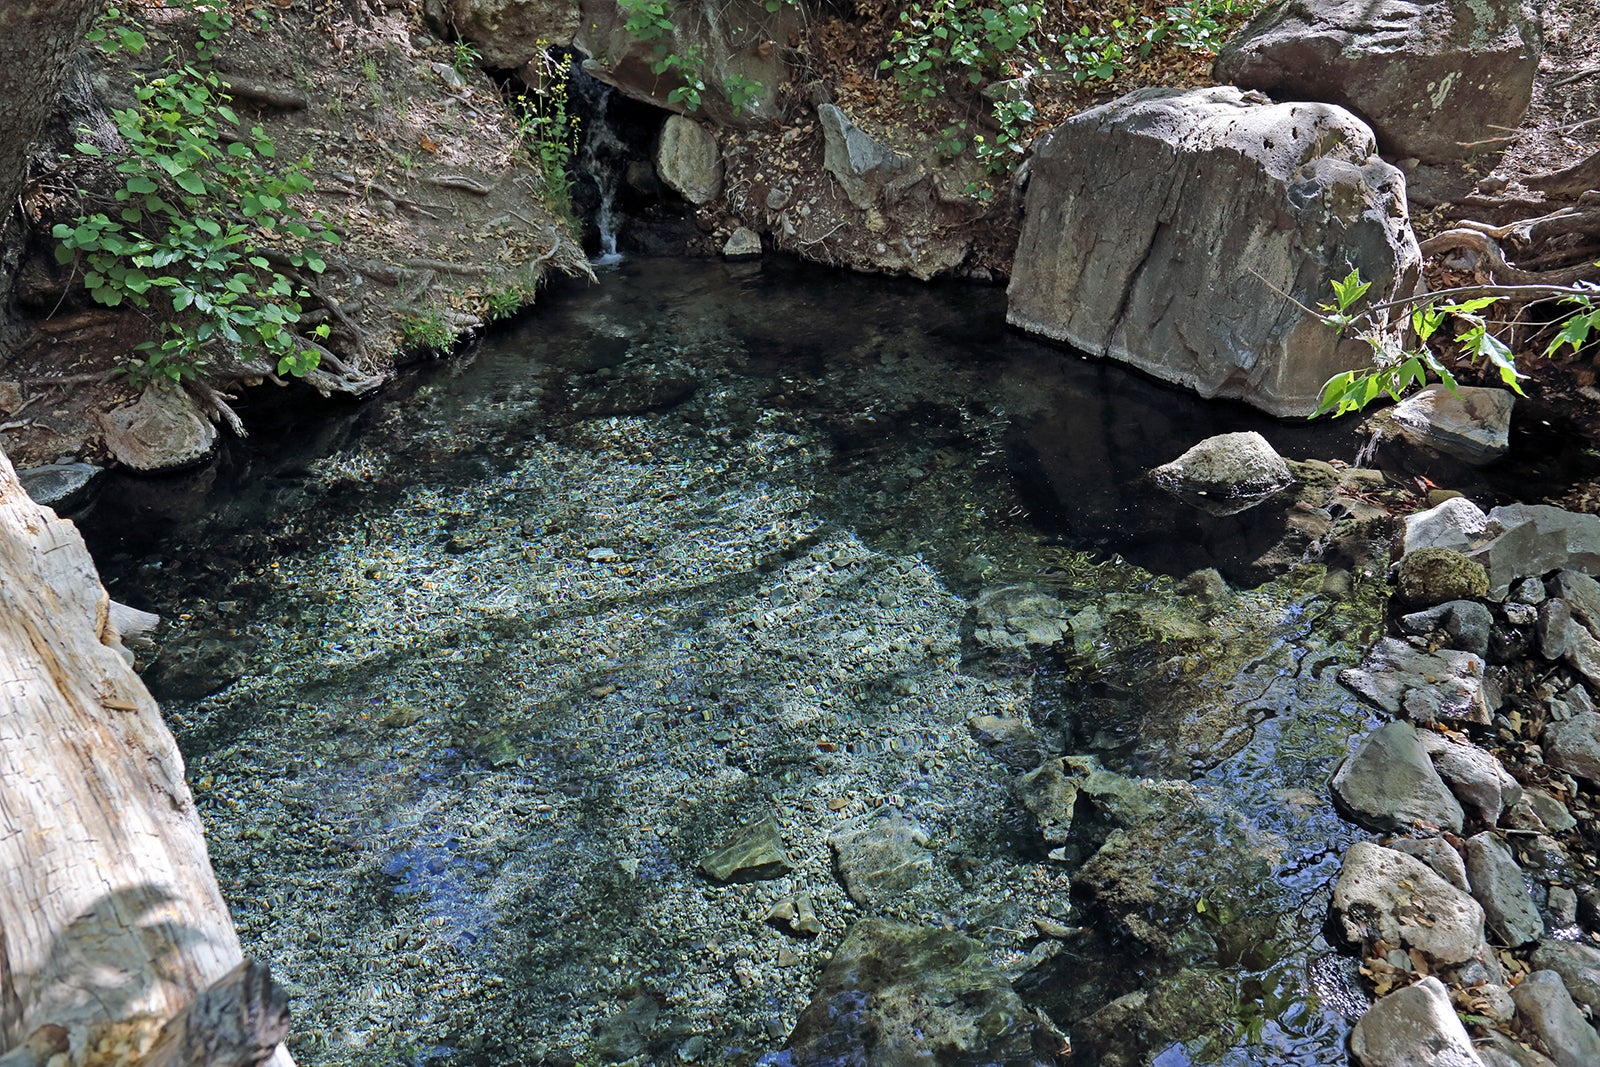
[(238, 1021)]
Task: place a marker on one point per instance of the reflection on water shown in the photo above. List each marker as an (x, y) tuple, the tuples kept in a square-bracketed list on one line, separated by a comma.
[(471, 678)]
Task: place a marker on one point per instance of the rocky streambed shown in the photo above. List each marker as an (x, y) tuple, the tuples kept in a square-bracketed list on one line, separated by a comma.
[(582, 705)]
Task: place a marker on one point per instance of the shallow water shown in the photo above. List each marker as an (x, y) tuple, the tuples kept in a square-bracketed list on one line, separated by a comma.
[(470, 679)]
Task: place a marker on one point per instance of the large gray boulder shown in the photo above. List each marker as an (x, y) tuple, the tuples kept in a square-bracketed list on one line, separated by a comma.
[(1432, 77), (1388, 783), (1413, 1027), (1162, 228), (897, 994), (688, 160), (1384, 895)]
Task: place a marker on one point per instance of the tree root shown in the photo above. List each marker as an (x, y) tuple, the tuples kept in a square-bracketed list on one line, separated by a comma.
[(1495, 260), (214, 402), (1578, 178), (253, 92)]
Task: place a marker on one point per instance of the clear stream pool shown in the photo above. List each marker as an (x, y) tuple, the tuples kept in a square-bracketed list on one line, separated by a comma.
[(471, 678)]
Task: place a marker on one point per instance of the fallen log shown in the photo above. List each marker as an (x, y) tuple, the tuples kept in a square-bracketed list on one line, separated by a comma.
[(109, 909)]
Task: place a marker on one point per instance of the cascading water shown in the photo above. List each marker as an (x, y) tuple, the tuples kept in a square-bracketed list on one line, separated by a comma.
[(602, 157)]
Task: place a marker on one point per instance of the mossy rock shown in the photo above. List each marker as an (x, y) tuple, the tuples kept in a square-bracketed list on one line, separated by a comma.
[(1431, 576)]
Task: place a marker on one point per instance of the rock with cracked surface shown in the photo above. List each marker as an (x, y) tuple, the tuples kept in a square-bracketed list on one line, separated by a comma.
[(1140, 213), (1546, 1011), (1388, 783), (1384, 895), (1421, 686), (1498, 884), (1413, 1027)]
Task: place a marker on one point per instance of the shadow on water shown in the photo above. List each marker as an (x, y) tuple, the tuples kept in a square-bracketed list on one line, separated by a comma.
[(470, 677)]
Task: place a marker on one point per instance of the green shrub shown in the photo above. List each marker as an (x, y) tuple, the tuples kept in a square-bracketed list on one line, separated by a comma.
[(201, 197)]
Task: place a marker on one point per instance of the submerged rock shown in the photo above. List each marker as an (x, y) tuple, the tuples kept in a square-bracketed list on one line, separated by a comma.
[(755, 852), (1140, 211), (1225, 474), (896, 994), (1413, 1027), (880, 855), (1020, 616)]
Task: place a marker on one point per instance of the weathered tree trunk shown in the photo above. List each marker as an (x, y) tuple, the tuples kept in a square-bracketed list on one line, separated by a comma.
[(36, 37), (109, 909)]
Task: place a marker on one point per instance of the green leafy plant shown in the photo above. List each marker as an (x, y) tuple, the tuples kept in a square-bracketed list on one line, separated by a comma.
[(548, 130), (202, 198), (1396, 369), (466, 57), (428, 330)]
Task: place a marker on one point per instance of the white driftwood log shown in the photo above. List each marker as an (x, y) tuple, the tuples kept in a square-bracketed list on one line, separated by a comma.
[(109, 909)]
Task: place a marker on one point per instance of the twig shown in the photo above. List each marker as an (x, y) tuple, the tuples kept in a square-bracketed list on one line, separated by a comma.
[(444, 266), (1577, 76), (459, 182)]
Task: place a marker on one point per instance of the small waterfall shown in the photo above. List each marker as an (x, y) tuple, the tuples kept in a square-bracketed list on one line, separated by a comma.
[(602, 157)]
